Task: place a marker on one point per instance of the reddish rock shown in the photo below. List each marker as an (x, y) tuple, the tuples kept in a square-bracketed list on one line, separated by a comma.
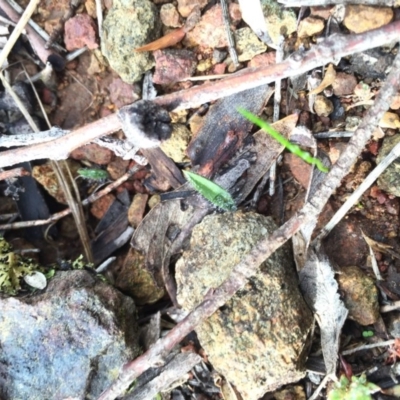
[(117, 168), (122, 93), (310, 26), (219, 69), (185, 7), (344, 84), (170, 16), (100, 206), (210, 31), (300, 169), (80, 31), (173, 65), (263, 60), (94, 153)]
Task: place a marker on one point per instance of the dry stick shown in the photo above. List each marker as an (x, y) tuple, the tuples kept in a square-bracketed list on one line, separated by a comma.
[(67, 211), (35, 39), (13, 173), (248, 266), (330, 49)]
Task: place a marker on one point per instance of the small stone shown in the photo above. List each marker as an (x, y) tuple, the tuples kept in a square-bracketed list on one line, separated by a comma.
[(137, 208), (300, 170), (248, 44), (395, 102), (170, 16), (264, 59), (310, 26), (389, 181), (173, 65), (360, 295), (393, 325), (218, 56), (344, 84), (127, 26), (321, 12), (122, 93), (361, 18), (185, 7), (117, 168), (94, 153), (280, 23), (90, 6), (100, 206), (257, 338), (80, 31), (175, 146), (219, 69), (154, 200), (204, 65), (322, 106), (210, 31)]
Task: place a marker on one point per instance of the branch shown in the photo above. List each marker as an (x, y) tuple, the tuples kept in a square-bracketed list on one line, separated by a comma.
[(248, 266), (331, 49)]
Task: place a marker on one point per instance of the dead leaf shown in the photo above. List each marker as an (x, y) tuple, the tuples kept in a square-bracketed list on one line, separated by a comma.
[(168, 40), (320, 290), (329, 78)]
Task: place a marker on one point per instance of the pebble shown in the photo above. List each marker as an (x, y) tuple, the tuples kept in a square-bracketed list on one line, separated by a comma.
[(185, 7), (122, 93), (322, 106), (248, 44), (344, 84), (310, 26), (80, 31), (175, 146), (359, 18), (137, 208), (100, 206), (170, 16), (264, 59), (94, 153)]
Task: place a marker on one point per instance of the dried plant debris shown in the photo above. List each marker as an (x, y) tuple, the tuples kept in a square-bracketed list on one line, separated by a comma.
[(13, 268)]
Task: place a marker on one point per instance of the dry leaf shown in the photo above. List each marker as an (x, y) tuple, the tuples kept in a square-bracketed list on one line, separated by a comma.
[(329, 77), (320, 290), (170, 39)]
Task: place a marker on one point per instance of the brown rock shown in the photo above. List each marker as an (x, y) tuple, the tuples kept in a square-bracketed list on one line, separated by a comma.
[(170, 16), (322, 106), (300, 170), (100, 206), (175, 147), (264, 59), (94, 153), (361, 18), (80, 31), (322, 12), (122, 93), (137, 208), (173, 65), (185, 7), (210, 31), (117, 168), (344, 84), (257, 338), (310, 26), (360, 295)]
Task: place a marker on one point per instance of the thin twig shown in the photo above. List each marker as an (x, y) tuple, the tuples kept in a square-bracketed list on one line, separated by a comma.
[(231, 41), (99, 14), (328, 50), (13, 173), (390, 307), (91, 199), (248, 266), (368, 346), (18, 30)]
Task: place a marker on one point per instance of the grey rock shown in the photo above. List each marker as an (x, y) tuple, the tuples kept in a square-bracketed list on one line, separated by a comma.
[(130, 24), (390, 179), (258, 339), (68, 342)]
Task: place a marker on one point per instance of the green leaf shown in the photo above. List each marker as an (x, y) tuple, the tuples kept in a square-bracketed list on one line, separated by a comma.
[(96, 174), (211, 191), (304, 155)]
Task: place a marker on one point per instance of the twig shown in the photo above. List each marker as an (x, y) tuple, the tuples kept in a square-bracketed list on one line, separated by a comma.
[(67, 211), (99, 14), (27, 139), (390, 307), (35, 39), (333, 134), (231, 41), (248, 266), (302, 3), (368, 346), (332, 48), (13, 173)]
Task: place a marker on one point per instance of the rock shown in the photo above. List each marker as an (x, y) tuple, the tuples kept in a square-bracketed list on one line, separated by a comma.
[(80, 31), (99, 208), (321, 12), (256, 340), (390, 179), (279, 21), (185, 7), (173, 65), (127, 26), (322, 106), (359, 18), (264, 59), (395, 102), (344, 84), (210, 31), (248, 44), (46, 176), (175, 146), (67, 342), (393, 325), (135, 280), (310, 26), (122, 93), (300, 170), (94, 153), (170, 16), (360, 295), (117, 168), (137, 208)]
